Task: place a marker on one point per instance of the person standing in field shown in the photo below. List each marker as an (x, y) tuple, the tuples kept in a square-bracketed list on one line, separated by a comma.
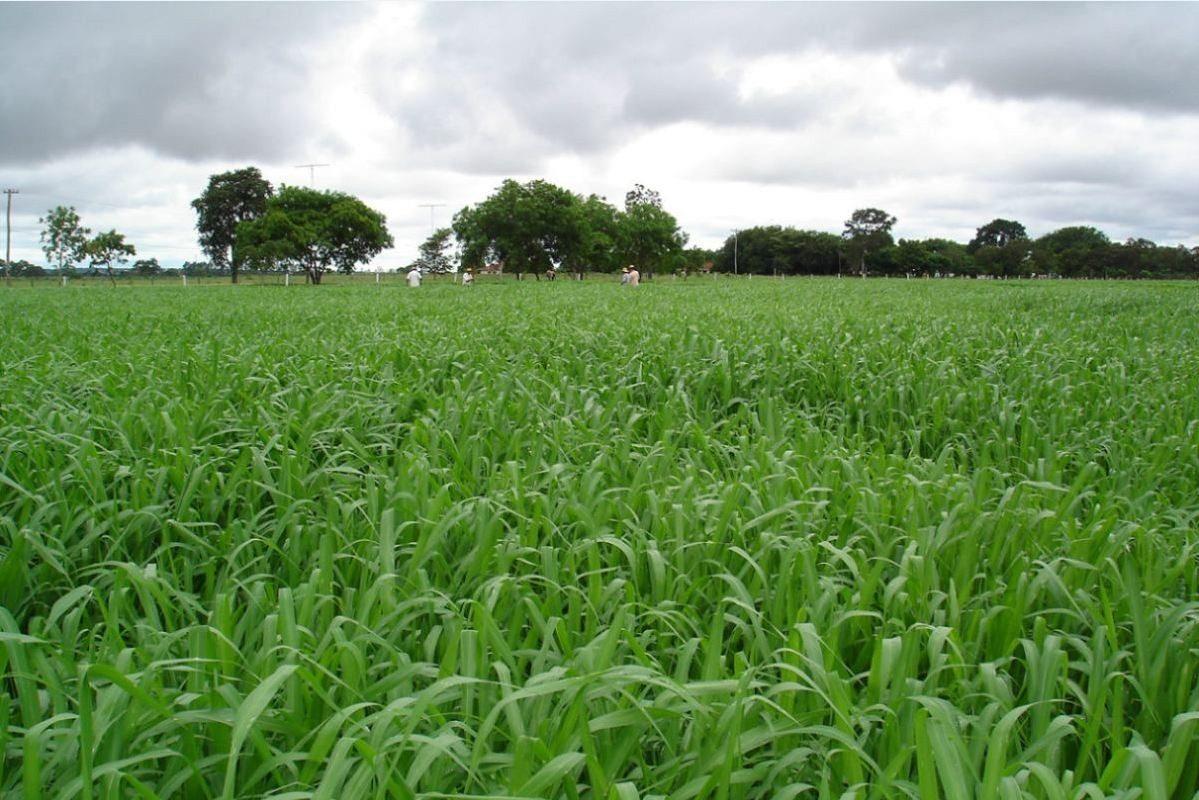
[(413, 277), (468, 278), (634, 276), (624, 276)]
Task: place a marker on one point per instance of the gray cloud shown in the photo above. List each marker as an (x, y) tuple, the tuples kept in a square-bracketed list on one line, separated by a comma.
[(582, 77), (1052, 113), (187, 80)]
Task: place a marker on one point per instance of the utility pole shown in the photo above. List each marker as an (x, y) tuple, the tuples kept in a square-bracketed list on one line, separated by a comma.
[(311, 171), (8, 236), (431, 207), (734, 252)]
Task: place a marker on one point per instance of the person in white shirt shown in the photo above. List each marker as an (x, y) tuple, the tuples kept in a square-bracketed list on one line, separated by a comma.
[(413, 277), (634, 276), (468, 278)]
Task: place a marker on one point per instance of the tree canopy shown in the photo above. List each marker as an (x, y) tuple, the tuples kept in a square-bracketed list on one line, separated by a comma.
[(230, 199), (109, 248), (536, 226), (435, 253), (64, 239), (868, 230), (774, 249), (312, 231), (997, 233)]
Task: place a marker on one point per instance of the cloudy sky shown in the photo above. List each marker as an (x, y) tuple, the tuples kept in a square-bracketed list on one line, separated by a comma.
[(946, 115)]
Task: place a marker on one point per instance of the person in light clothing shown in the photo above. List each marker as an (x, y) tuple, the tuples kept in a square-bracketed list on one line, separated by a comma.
[(624, 277), (413, 277), (468, 278), (634, 276)]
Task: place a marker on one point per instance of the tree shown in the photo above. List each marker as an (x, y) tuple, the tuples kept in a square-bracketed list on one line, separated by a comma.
[(698, 259), (773, 249), (933, 255), (108, 248), (313, 231), (649, 236), (147, 266), (64, 240), (868, 229), (1073, 251), (25, 269), (196, 268), (598, 233), (529, 227), (640, 196), (434, 253), (997, 233), (230, 199)]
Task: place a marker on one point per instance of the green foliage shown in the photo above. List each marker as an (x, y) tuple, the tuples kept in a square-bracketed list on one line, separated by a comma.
[(1071, 251), (230, 199), (196, 268), (529, 227), (64, 239), (537, 226), (108, 248), (647, 235), (435, 253), (22, 268), (725, 539), (774, 249), (146, 266), (867, 230), (313, 232), (998, 233), (932, 256)]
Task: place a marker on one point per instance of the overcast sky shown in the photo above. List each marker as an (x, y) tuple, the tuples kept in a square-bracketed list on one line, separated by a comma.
[(946, 115)]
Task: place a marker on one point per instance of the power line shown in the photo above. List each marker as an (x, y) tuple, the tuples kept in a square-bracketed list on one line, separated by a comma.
[(311, 171)]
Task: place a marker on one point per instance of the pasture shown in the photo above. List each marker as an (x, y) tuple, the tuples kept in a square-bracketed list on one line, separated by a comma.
[(707, 539)]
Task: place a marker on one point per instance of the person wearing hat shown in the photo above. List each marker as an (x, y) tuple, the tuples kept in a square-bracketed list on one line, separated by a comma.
[(624, 276), (634, 276)]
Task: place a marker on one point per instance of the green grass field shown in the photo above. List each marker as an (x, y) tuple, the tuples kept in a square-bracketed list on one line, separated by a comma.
[(723, 539)]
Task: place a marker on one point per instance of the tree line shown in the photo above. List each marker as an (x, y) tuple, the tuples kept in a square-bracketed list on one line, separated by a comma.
[(1000, 248), (536, 227)]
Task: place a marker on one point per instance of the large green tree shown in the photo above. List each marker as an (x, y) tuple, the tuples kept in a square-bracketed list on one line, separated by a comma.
[(867, 230), (109, 248), (312, 231), (774, 249), (597, 220), (64, 239), (997, 233), (1073, 251), (649, 236), (230, 199), (528, 227)]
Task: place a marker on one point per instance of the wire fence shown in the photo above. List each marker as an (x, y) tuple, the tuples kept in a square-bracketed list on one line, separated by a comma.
[(124, 278)]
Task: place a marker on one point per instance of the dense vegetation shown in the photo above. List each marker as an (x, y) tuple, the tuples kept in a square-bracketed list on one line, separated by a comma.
[(1000, 248), (705, 539)]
